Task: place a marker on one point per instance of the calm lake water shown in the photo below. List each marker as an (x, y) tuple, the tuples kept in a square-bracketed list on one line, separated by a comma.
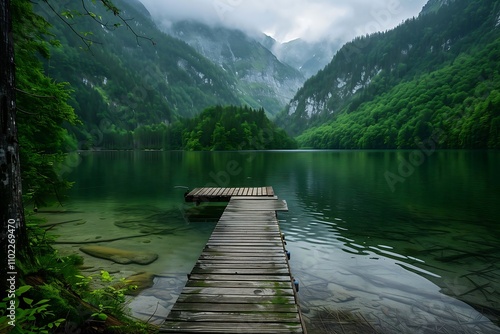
[(393, 241)]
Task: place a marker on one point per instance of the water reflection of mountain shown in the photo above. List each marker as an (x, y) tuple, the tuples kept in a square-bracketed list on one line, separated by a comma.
[(431, 225)]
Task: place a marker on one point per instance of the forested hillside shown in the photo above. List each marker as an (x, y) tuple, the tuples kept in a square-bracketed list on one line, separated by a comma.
[(438, 73), (233, 128), (123, 81), (261, 78)]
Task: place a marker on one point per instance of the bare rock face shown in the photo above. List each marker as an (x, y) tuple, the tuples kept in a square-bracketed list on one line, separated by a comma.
[(119, 255)]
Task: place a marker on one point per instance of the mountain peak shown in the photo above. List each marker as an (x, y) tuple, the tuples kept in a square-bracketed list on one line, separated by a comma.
[(262, 79), (434, 5)]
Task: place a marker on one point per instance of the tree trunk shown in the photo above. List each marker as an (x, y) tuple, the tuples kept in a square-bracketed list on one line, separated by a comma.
[(13, 238)]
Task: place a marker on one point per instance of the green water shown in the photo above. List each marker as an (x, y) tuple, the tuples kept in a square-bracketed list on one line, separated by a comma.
[(407, 240)]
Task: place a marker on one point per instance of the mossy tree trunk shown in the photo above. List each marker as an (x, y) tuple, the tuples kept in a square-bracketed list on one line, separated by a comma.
[(11, 207)]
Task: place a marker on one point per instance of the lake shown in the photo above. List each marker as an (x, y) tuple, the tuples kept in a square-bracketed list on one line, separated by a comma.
[(392, 241)]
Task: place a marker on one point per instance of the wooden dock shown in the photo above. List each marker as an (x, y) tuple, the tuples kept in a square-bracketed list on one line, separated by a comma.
[(241, 283), (200, 195)]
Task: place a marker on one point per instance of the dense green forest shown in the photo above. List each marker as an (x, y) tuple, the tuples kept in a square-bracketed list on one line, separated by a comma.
[(216, 128), (438, 73), (457, 106), (233, 128)]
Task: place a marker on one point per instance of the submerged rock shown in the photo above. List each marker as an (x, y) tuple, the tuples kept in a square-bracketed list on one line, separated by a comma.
[(142, 280), (119, 255)]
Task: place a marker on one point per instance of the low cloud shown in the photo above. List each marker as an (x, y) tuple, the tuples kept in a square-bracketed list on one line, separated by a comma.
[(312, 20)]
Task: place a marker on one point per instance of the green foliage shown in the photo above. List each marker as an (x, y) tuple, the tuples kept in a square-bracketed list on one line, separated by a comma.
[(109, 297), (437, 72), (28, 314), (461, 101), (233, 128), (42, 108), (60, 289)]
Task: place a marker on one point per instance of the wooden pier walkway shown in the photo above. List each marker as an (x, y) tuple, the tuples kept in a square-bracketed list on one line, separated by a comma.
[(225, 194), (241, 283)]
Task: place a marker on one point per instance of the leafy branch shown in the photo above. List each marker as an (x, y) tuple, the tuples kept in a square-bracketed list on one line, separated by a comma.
[(67, 15), (87, 41), (110, 6)]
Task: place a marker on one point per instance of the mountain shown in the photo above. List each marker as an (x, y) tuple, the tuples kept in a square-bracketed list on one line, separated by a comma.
[(395, 89), (307, 57), (261, 79), (434, 6), (123, 81)]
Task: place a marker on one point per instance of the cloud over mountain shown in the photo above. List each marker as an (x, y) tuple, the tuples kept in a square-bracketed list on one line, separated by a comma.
[(285, 20)]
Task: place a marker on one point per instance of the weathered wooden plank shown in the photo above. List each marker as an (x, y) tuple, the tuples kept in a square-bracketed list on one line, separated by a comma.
[(236, 299), (244, 242), (276, 205), (257, 251), (195, 191), (233, 317), (242, 260), (240, 221), (243, 271), (237, 291), (239, 284), (234, 259), (245, 238), (222, 256), (239, 266), (234, 250), (217, 194), (248, 229), (229, 327), (240, 243), (245, 234), (212, 191), (224, 250), (237, 219), (234, 220), (247, 307), (218, 277)]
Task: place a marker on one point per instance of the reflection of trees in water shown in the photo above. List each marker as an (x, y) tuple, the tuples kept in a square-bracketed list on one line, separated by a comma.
[(460, 248), (433, 222)]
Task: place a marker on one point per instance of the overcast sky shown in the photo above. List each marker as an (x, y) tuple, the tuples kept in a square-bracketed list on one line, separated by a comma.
[(285, 20)]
